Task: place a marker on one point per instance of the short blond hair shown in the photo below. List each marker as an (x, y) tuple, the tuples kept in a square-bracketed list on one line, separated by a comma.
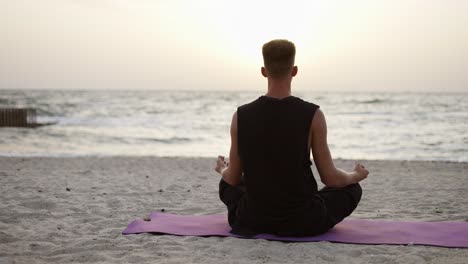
[(278, 57)]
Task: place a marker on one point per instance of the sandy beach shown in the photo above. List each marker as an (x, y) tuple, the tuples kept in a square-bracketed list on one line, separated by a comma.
[(62, 210)]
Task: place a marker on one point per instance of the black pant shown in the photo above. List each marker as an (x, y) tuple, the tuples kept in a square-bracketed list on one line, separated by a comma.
[(339, 202)]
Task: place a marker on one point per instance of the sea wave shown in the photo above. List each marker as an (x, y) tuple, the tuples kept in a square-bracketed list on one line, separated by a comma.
[(165, 123), (171, 140), (370, 101)]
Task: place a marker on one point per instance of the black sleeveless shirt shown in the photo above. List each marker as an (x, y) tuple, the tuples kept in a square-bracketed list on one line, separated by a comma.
[(273, 148)]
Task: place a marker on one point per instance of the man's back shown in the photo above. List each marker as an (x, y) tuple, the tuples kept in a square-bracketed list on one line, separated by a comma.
[(273, 148)]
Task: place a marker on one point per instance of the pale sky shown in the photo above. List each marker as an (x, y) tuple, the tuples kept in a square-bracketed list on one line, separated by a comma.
[(373, 45)]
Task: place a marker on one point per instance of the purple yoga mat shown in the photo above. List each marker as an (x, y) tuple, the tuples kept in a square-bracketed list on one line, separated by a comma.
[(355, 231)]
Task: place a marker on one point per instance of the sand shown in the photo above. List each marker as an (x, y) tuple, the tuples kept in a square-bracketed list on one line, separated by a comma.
[(62, 210)]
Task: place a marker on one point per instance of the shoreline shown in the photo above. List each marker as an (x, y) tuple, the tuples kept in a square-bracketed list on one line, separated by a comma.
[(73, 156), (73, 209)]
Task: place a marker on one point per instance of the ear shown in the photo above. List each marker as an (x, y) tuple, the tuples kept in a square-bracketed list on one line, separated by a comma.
[(294, 71), (264, 72)]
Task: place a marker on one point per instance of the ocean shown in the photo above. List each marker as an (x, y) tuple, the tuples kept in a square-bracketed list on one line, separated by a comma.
[(388, 126)]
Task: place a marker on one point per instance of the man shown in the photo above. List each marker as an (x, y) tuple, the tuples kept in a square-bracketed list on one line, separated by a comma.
[(268, 185)]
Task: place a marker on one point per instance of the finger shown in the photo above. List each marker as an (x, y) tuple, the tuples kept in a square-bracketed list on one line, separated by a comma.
[(356, 167)]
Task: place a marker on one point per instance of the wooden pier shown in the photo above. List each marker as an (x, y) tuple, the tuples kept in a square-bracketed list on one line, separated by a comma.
[(19, 117)]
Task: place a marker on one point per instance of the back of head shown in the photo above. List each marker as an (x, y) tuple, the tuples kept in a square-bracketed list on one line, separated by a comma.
[(278, 57)]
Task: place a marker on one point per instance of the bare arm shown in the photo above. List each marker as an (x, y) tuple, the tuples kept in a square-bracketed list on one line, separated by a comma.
[(232, 171), (329, 174)]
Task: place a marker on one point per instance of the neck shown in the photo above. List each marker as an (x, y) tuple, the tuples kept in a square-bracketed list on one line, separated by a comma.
[(279, 88)]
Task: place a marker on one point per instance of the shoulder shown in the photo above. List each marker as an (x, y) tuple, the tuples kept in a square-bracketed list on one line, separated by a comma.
[(234, 122), (308, 107), (308, 104), (318, 121), (248, 106)]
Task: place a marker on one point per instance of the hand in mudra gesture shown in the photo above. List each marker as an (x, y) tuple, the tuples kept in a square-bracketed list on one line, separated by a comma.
[(360, 171), (221, 164)]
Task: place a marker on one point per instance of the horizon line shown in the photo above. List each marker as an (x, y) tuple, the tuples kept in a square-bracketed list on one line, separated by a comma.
[(233, 90)]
